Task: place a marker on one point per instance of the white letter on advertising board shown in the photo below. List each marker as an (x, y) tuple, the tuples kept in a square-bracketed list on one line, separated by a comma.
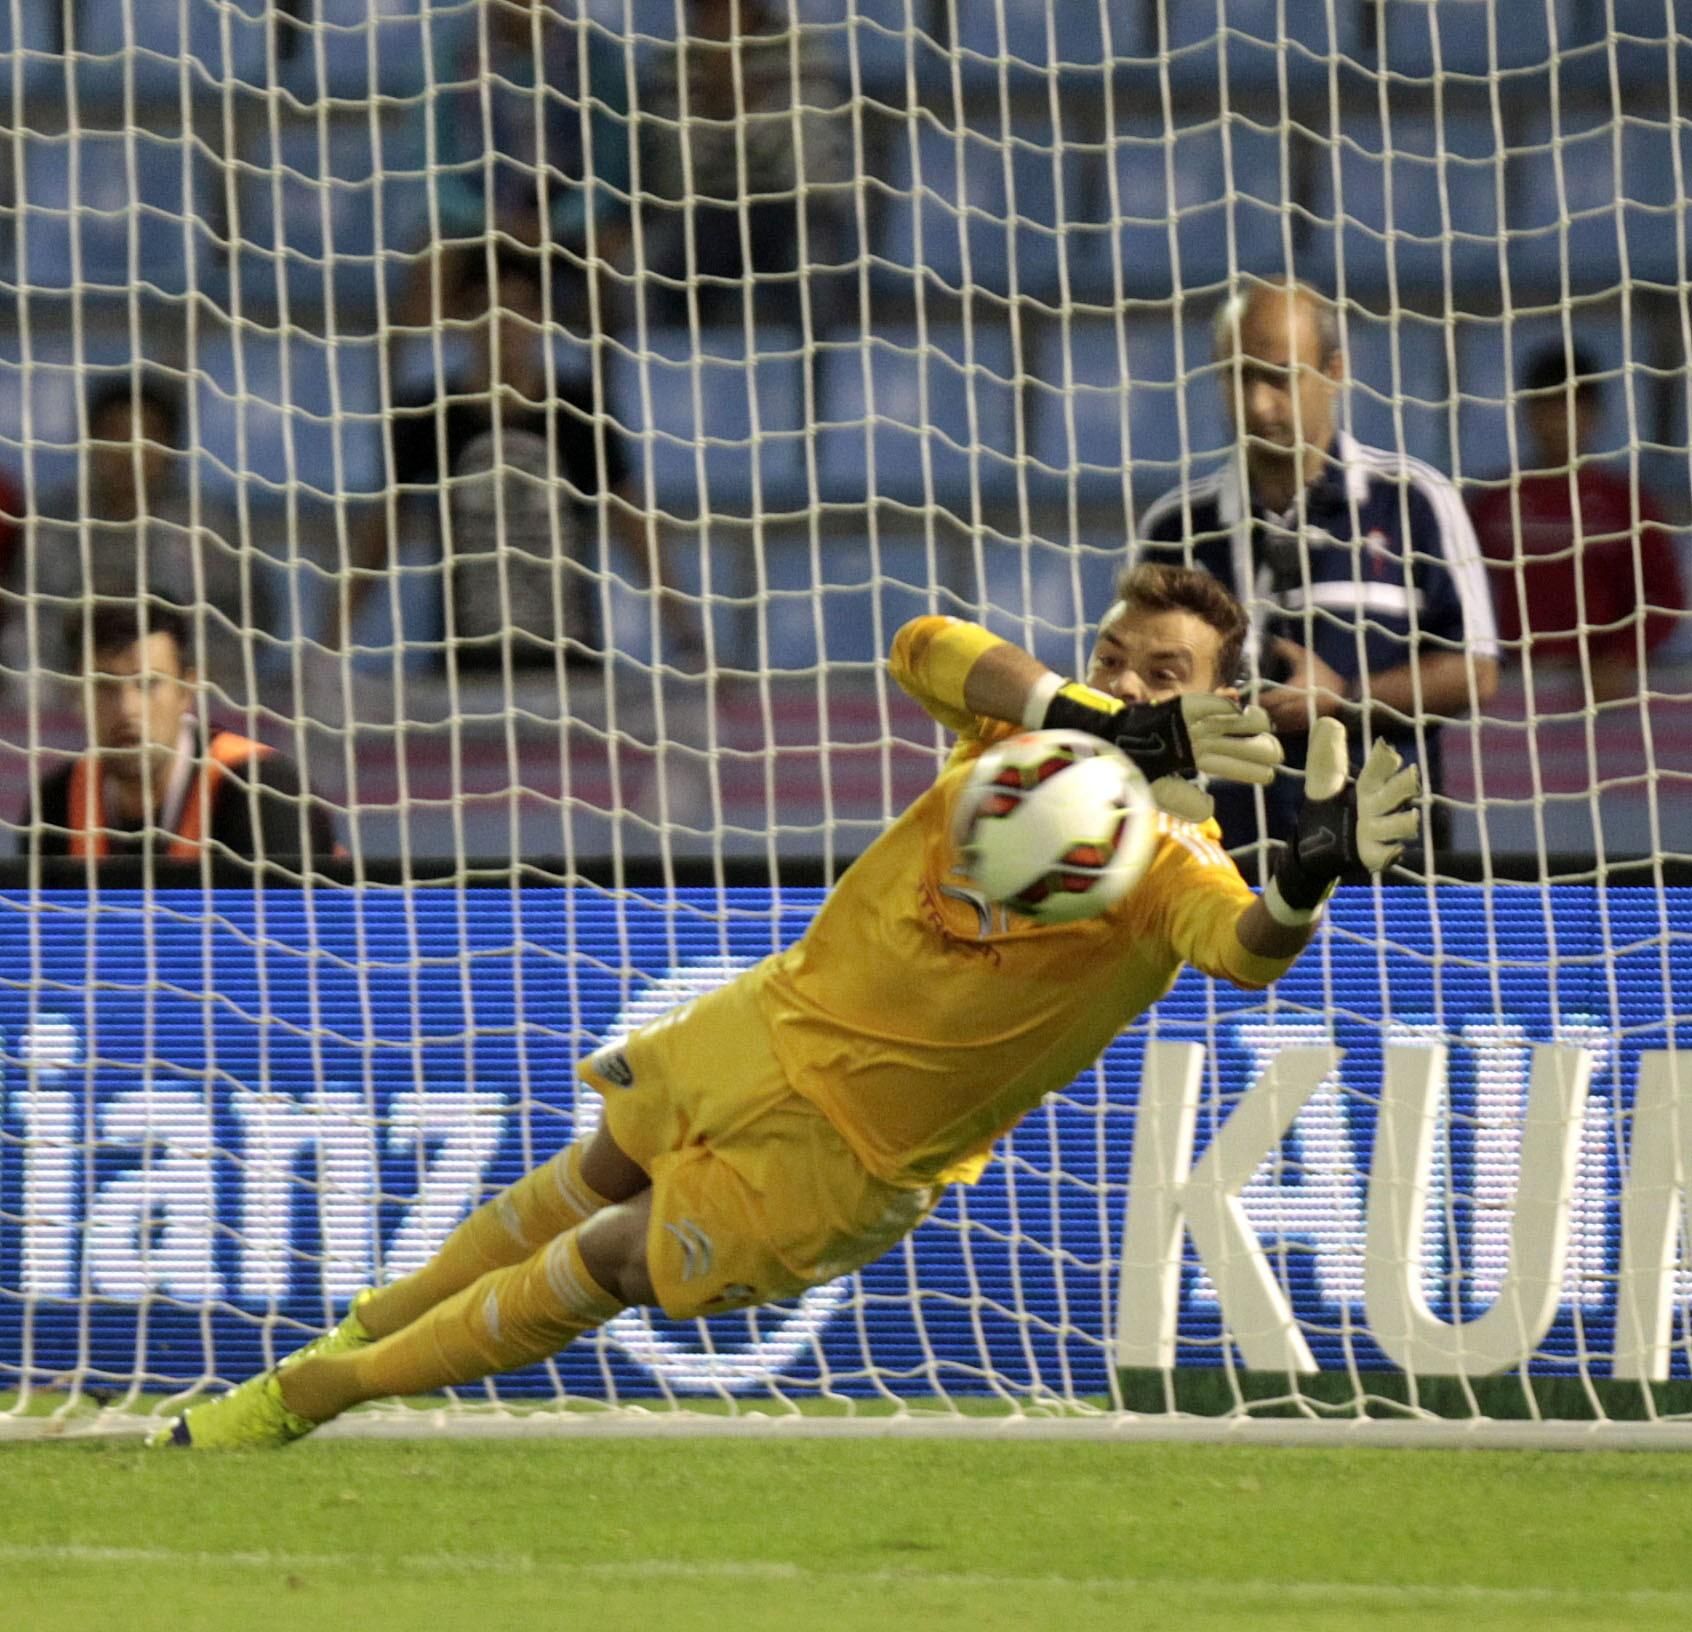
[(338, 1131), (1653, 1214), (150, 1229), (1168, 1192), (1396, 1302)]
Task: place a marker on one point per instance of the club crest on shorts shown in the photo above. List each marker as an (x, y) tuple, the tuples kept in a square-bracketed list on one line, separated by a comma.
[(613, 1065)]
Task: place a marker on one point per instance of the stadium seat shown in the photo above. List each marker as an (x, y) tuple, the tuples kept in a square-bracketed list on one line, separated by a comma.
[(1081, 42), (892, 38), (1039, 594), (1158, 449), (970, 231), (343, 29), (883, 419), (1218, 196), (276, 411), (1255, 54), (28, 46), (413, 363), (40, 429), (1357, 232), (1456, 36), (1419, 426), (166, 51), (1577, 211), (1490, 363), (1643, 19), (309, 198), (126, 200), (729, 388), (855, 585)]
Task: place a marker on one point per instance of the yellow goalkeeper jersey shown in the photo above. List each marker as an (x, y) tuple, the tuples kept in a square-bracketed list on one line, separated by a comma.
[(923, 1022)]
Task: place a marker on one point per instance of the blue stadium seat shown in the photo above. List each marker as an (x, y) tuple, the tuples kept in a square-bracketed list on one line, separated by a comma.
[(1354, 228), (1490, 362), (1040, 594), (1419, 426), (413, 363), (1131, 418), (120, 207), (886, 418), (344, 29), (1216, 194), (892, 38), (645, 21), (730, 385), (853, 585), (164, 53), (978, 215), (1579, 211), (1081, 41), (1461, 30), (308, 199), (881, 30), (27, 48), (275, 411), (1643, 19), (1254, 40), (39, 417)]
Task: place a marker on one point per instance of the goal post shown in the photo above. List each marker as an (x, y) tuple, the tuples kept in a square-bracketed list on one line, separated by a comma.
[(544, 426)]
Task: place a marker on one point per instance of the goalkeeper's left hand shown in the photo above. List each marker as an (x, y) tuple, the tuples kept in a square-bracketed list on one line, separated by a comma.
[(1343, 826)]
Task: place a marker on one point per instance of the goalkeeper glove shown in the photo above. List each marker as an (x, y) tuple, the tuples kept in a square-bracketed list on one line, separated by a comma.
[(1198, 733), (1343, 825)]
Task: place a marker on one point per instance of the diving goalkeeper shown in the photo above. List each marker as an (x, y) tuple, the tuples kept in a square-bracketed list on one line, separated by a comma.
[(796, 1123)]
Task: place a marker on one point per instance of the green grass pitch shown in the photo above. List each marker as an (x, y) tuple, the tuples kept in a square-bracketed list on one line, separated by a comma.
[(407, 1536)]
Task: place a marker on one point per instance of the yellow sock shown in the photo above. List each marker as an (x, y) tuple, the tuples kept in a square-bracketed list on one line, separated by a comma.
[(508, 1318), (540, 1206)]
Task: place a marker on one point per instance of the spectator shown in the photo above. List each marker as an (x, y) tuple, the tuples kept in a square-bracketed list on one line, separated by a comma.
[(513, 154), (1358, 566), (1582, 565), (144, 533), (154, 779), (523, 479), (742, 84)]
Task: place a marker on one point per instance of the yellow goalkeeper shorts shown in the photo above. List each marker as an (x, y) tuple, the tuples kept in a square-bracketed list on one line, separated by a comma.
[(755, 1194)]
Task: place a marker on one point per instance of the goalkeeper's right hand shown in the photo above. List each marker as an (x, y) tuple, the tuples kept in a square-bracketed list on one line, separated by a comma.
[(1343, 825), (1200, 733)]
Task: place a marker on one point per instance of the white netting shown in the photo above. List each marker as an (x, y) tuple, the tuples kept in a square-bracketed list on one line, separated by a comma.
[(572, 621)]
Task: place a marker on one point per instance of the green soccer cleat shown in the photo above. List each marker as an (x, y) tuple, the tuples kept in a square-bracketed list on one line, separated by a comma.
[(249, 1418), (341, 1339)]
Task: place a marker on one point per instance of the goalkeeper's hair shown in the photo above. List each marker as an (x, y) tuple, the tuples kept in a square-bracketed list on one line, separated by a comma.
[(110, 628), (1156, 586)]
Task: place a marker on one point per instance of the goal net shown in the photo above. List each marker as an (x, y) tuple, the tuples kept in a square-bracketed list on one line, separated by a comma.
[(541, 417)]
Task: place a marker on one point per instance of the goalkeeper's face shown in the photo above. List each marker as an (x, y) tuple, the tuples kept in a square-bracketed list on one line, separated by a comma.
[(138, 698), (1149, 657)]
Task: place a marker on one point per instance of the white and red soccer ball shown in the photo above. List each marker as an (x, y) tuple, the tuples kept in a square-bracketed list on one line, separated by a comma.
[(1055, 825)]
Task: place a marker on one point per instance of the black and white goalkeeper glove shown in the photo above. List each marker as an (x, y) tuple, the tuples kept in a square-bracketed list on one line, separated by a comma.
[(1200, 733), (1342, 825)]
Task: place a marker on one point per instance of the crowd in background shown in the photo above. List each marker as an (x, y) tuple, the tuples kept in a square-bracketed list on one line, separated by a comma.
[(1380, 590)]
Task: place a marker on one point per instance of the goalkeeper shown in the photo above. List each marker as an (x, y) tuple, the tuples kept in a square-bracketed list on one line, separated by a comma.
[(794, 1124)]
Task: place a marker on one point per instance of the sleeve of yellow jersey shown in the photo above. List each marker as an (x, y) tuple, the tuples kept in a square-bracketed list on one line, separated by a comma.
[(931, 659), (1198, 895)]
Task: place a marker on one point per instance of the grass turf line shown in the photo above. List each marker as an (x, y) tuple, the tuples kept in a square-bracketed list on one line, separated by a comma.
[(842, 1535)]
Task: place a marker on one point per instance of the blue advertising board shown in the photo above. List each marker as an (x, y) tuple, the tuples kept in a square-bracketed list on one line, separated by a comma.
[(220, 1113)]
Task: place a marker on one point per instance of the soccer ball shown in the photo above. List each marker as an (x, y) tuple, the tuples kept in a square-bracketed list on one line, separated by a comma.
[(1056, 825)]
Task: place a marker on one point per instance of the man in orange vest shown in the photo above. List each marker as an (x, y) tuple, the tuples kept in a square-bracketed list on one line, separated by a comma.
[(154, 780)]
